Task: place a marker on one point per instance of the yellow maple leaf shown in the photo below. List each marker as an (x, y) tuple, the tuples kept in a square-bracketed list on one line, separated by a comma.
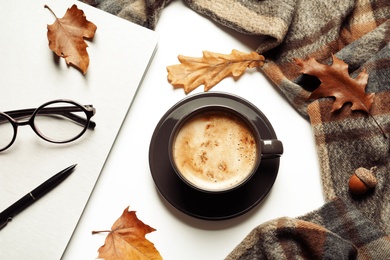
[(210, 69), (126, 240), (66, 37)]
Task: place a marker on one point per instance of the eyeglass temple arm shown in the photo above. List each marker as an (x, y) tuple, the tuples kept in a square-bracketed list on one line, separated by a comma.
[(65, 111)]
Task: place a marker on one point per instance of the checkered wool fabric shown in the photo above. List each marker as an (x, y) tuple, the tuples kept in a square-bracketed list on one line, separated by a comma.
[(335, 231), (357, 32)]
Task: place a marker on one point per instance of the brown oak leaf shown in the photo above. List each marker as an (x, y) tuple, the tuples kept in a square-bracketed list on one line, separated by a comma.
[(210, 69), (66, 37), (126, 240), (336, 82)]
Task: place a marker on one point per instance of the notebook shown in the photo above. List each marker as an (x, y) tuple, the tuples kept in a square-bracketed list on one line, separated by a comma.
[(31, 75)]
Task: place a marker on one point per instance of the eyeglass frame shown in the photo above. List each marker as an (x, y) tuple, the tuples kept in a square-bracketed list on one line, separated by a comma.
[(11, 116)]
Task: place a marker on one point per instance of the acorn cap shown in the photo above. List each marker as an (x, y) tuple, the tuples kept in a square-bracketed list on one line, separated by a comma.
[(366, 176)]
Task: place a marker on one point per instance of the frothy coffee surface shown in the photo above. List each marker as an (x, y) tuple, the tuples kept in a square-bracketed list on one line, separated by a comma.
[(215, 150)]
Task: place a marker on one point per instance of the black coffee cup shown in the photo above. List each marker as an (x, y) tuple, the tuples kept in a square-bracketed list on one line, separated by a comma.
[(216, 149)]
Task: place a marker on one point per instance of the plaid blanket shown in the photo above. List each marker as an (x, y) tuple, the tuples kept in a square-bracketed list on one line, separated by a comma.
[(336, 231), (357, 32)]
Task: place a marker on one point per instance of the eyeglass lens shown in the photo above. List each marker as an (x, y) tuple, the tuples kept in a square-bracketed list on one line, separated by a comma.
[(54, 121), (6, 131)]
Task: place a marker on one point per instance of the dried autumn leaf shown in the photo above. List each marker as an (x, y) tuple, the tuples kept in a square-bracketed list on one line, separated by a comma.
[(336, 82), (210, 69), (66, 37), (126, 240)]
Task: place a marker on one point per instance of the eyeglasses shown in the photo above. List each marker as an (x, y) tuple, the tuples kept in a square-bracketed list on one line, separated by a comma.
[(57, 121)]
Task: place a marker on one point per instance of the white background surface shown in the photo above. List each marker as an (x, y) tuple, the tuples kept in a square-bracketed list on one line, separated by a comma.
[(126, 179)]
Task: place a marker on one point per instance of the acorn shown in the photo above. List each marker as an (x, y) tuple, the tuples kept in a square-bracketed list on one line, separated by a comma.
[(362, 181)]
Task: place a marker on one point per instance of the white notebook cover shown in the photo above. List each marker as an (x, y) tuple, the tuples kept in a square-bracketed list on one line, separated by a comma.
[(31, 75)]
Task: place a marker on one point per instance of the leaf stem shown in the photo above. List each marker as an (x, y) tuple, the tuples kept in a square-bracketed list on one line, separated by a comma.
[(46, 6), (376, 122), (100, 231)]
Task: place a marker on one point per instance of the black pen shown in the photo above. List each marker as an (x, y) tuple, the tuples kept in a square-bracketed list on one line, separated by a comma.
[(7, 215)]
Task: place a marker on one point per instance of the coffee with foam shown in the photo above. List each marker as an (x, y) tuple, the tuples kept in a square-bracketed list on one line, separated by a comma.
[(215, 150)]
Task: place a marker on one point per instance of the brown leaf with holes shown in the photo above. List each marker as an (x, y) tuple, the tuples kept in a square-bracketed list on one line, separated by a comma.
[(336, 82), (66, 37), (210, 69), (126, 240)]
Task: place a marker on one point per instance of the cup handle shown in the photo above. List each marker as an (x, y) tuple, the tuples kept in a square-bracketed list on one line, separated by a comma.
[(271, 148)]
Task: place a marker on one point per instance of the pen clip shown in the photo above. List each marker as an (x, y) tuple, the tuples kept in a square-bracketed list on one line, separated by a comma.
[(5, 223)]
